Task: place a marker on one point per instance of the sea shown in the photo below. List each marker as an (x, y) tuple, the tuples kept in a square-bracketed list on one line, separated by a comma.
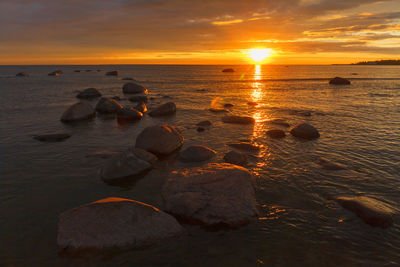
[(359, 126)]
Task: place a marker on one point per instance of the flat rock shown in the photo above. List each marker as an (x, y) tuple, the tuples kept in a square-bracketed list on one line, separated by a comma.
[(89, 93), (160, 140), (276, 133), (228, 70), (245, 146), (196, 153), (77, 112), (329, 165), (164, 110), (236, 158), (115, 223), (204, 124), (305, 131), (57, 137), (133, 88), (108, 105), (370, 210), (280, 122), (218, 110), (218, 193), (238, 120), (339, 81)]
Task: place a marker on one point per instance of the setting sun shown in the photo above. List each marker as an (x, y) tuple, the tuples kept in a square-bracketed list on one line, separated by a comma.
[(259, 54)]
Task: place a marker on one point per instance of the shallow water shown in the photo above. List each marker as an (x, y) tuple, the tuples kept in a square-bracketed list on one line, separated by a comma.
[(359, 127)]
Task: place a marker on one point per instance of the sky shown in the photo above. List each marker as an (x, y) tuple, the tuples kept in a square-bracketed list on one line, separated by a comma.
[(197, 32)]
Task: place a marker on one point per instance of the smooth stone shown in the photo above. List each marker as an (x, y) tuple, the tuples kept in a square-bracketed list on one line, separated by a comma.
[(200, 129), (103, 154), (122, 167), (128, 114), (138, 98), (218, 193), (58, 137), (204, 123), (305, 131), (218, 110), (115, 223), (275, 133), (196, 153), (133, 88), (228, 70), (77, 112), (112, 73), (22, 74), (89, 93), (164, 110), (329, 165), (245, 146), (252, 103), (238, 120), (108, 105), (371, 211), (236, 158), (339, 81), (160, 140), (280, 122), (228, 105), (144, 155), (141, 107)]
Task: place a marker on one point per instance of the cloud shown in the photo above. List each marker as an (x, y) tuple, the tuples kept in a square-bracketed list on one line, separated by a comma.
[(227, 22)]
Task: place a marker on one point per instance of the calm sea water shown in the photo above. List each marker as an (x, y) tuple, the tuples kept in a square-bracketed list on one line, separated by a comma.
[(359, 127)]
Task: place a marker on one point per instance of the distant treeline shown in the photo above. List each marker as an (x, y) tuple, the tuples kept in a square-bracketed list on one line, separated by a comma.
[(379, 62)]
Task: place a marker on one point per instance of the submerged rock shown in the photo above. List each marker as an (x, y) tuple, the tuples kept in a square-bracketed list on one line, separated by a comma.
[(228, 70), (228, 105), (329, 165), (164, 110), (252, 103), (371, 211), (115, 223), (280, 122), (213, 194), (238, 120), (128, 114), (245, 146), (236, 158), (108, 105), (200, 129), (58, 137), (204, 124), (218, 110), (196, 154), (22, 74), (339, 81), (305, 131), (160, 140), (276, 133), (133, 88), (112, 73), (89, 93), (77, 112)]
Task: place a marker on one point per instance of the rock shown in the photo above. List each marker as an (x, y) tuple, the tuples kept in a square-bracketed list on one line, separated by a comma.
[(252, 103), (228, 105), (305, 131), (200, 129), (238, 120), (371, 211), (166, 96), (228, 70), (128, 79), (236, 158), (77, 71), (115, 223), (77, 112), (22, 74), (305, 113), (58, 137), (354, 73), (328, 165), (138, 98), (144, 155), (108, 105), (213, 194), (245, 146), (112, 73), (163, 110), (123, 167), (275, 133), (160, 140), (280, 122), (339, 81), (54, 73), (103, 154), (196, 154), (133, 88), (204, 124), (126, 114), (89, 93), (218, 110), (141, 107)]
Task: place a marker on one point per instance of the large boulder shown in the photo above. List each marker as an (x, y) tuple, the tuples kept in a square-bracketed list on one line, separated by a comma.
[(238, 119), (371, 211), (196, 154), (218, 193), (133, 88), (305, 131), (128, 114), (245, 146), (114, 223), (77, 112), (108, 105), (339, 81), (123, 167), (160, 140), (57, 137), (89, 93), (164, 110), (236, 158)]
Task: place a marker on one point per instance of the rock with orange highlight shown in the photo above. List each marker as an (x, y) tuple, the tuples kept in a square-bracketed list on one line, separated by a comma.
[(77, 112), (108, 105)]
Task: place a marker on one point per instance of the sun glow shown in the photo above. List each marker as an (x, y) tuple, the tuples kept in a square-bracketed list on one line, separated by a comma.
[(259, 54)]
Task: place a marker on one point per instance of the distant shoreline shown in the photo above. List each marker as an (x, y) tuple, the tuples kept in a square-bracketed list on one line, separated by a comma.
[(379, 62)]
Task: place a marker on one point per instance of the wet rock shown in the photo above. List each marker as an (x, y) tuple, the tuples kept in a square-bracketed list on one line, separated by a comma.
[(138, 98), (22, 74), (144, 155), (329, 165), (128, 114), (112, 73), (218, 110), (305, 131), (133, 88), (280, 122), (141, 107), (77, 112), (77, 71), (54, 73), (339, 81), (252, 103), (103, 154), (204, 124), (305, 113), (275, 133), (89, 93), (57, 137), (196, 154), (200, 129), (123, 167), (115, 223), (164, 110), (238, 120), (371, 211), (108, 105), (228, 105), (213, 194), (128, 79), (160, 140), (228, 70), (236, 158), (245, 146)]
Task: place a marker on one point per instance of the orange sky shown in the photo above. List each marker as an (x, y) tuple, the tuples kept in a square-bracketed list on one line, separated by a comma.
[(197, 32)]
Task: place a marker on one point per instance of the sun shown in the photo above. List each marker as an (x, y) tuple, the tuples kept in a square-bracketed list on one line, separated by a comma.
[(259, 54)]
